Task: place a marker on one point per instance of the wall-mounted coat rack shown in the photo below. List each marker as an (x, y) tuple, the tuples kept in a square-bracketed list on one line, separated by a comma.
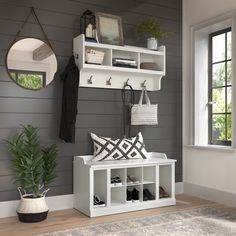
[(106, 75)]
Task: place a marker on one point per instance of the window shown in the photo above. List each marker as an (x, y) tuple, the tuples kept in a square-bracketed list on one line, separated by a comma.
[(29, 79), (220, 88)]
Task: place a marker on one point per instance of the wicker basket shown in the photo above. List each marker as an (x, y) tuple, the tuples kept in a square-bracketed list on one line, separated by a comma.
[(94, 56)]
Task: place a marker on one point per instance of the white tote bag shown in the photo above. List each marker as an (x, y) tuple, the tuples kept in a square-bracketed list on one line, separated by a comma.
[(144, 114)]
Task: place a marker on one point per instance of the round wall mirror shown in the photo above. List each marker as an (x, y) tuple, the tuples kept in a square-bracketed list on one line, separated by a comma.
[(31, 63)]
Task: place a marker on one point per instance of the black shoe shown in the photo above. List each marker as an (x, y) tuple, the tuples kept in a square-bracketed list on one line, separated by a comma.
[(97, 201), (118, 181), (128, 196), (135, 195), (147, 195), (113, 181)]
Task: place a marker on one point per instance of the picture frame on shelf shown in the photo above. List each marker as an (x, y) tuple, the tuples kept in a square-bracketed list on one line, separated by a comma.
[(109, 29)]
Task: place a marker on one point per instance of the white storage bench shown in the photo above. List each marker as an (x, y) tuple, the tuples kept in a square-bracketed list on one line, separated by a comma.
[(92, 178)]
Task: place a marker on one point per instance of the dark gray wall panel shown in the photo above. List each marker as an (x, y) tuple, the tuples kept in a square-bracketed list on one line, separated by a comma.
[(9, 87), (99, 110)]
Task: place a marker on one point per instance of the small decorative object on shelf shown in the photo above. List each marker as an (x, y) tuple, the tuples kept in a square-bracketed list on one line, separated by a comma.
[(124, 62), (109, 28), (87, 26), (151, 29), (94, 56), (149, 66)]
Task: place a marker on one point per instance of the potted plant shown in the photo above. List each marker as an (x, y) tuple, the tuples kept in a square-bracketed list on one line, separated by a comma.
[(151, 29), (34, 168)]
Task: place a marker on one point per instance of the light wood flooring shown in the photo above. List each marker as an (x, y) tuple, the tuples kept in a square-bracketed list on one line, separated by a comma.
[(67, 219)]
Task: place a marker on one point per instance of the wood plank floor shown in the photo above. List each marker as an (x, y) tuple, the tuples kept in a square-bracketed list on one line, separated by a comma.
[(67, 219)]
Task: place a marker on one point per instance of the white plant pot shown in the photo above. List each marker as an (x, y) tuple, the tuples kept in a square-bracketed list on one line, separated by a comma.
[(152, 43), (32, 209)]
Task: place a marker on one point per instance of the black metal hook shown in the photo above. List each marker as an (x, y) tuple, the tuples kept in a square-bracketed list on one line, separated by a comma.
[(126, 82), (143, 84), (109, 81), (90, 80)]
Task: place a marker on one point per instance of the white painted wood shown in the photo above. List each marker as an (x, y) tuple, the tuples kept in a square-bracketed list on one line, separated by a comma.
[(100, 74), (165, 178), (149, 173), (179, 188), (205, 166), (211, 194), (82, 189)]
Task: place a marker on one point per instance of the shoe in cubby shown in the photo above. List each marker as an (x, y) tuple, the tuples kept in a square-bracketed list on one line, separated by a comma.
[(116, 181), (147, 195), (128, 196), (134, 176), (132, 180), (97, 202), (135, 195), (163, 193)]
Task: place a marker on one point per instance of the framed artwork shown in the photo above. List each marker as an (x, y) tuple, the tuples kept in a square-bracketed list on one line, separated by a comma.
[(109, 28)]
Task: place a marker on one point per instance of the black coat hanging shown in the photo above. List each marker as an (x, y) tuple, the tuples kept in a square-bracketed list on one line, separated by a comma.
[(70, 78)]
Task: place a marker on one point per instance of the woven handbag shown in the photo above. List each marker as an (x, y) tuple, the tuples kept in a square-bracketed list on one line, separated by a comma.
[(144, 114)]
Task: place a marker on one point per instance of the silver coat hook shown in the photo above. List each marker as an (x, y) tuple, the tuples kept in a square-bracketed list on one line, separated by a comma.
[(90, 80), (126, 82), (143, 84), (109, 81)]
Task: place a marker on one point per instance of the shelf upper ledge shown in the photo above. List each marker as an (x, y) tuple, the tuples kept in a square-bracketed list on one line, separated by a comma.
[(128, 48), (212, 148)]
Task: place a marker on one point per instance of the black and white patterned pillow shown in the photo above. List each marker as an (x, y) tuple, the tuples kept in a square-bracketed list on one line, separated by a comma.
[(125, 148)]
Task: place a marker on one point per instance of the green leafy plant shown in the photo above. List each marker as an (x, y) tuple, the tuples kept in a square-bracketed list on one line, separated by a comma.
[(34, 165), (150, 27)]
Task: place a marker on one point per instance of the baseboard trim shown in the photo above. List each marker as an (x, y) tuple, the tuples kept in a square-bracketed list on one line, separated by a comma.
[(179, 188), (215, 195), (56, 203)]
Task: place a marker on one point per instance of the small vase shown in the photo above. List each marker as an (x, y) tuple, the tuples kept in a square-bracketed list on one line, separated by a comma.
[(152, 43)]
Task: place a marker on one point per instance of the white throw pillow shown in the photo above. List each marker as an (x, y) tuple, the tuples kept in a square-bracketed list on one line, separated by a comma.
[(116, 149)]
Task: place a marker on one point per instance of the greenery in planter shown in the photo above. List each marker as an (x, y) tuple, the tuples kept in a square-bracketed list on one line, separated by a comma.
[(150, 27), (34, 165)]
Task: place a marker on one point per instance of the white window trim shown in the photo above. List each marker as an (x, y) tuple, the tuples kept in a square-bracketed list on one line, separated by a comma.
[(227, 20)]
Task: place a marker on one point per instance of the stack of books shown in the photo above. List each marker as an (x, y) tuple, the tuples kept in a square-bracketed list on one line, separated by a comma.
[(124, 62)]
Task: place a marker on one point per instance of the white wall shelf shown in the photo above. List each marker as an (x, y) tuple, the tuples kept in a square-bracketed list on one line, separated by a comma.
[(92, 178), (100, 74)]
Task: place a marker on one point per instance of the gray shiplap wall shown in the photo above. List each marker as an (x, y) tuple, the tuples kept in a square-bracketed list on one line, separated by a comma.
[(100, 110)]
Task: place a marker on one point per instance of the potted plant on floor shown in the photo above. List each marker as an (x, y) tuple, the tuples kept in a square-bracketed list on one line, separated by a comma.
[(34, 168), (151, 29)]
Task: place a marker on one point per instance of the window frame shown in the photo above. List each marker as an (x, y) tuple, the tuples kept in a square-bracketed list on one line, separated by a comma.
[(211, 141), (16, 71)]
